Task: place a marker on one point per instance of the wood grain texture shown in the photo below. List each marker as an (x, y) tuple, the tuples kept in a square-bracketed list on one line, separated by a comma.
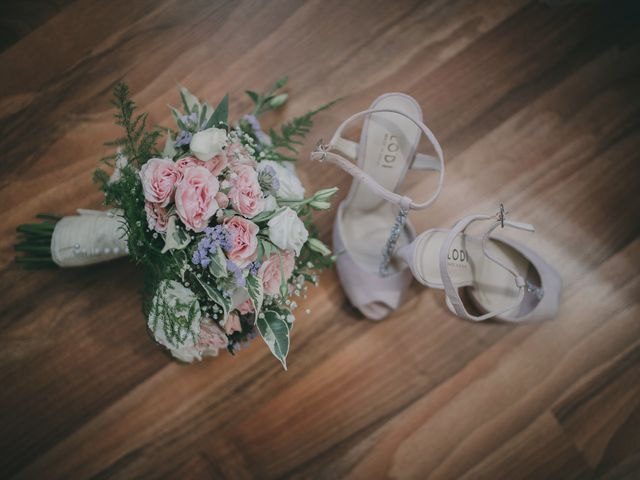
[(536, 106)]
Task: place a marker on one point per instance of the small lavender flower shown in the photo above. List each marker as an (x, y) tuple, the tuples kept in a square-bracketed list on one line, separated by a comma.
[(253, 121), (191, 123), (183, 138), (220, 237), (254, 267), (268, 179), (237, 273), (200, 257), (191, 118), (214, 237)]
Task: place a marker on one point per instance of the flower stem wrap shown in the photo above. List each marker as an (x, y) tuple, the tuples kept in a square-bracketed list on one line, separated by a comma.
[(88, 238)]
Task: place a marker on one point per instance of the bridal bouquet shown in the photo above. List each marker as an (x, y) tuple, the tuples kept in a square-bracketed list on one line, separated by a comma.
[(218, 219)]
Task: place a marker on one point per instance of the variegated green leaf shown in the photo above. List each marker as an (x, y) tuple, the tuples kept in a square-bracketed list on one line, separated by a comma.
[(266, 248), (218, 298), (260, 251), (275, 332), (218, 265), (254, 287), (176, 238)]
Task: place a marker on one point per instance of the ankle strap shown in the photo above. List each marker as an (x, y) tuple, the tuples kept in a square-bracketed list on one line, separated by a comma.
[(454, 302), (420, 161)]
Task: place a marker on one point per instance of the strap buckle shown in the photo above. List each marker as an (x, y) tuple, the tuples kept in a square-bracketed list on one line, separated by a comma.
[(322, 149), (502, 213)]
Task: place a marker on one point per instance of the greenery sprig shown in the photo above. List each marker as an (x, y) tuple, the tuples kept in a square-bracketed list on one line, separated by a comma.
[(291, 134), (171, 256), (137, 144), (267, 101)]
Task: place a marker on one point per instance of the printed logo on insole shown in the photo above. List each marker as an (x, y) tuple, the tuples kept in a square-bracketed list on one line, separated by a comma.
[(389, 151), (458, 257)]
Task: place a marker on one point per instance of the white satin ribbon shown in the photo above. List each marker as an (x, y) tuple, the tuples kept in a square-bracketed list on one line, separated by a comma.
[(88, 238)]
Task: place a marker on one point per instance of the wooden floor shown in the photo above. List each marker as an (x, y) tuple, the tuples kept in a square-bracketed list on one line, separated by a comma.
[(536, 105)]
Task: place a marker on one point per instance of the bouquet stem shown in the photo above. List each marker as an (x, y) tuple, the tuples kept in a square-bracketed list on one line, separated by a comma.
[(72, 241), (34, 239)]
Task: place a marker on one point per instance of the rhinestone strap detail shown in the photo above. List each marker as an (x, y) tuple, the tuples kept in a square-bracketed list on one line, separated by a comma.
[(537, 291), (390, 245)]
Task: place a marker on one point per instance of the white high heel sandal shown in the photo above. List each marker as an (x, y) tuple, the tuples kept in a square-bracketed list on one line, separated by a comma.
[(372, 221), (503, 278)]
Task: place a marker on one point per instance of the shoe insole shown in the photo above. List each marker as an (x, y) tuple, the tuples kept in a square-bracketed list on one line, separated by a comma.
[(387, 147), (493, 287)]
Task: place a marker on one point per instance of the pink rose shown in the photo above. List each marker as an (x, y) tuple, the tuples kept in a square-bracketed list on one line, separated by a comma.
[(245, 193), (157, 217), (215, 165), (195, 198), (159, 176), (243, 176), (239, 155), (211, 338), (244, 240), (276, 270), (232, 324), (186, 162), (246, 307), (222, 199)]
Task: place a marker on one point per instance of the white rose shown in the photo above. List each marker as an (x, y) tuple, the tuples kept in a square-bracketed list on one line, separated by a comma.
[(270, 203), (208, 143), (175, 309), (290, 185), (287, 231)]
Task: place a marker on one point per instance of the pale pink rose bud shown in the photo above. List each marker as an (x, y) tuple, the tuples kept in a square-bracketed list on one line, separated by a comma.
[(246, 307), (232, 324), (222, 199)]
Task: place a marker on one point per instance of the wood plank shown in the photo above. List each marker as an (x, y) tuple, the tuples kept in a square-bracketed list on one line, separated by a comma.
[(536, 106)]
